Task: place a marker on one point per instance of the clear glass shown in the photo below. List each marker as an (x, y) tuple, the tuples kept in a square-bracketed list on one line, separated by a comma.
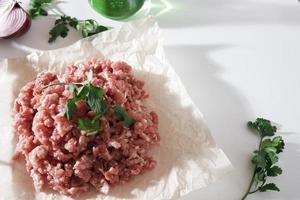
[(117, 9)]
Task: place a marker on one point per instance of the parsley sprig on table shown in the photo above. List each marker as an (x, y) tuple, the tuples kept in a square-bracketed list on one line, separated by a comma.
[(95, 99), (39, 8), (63, 23), (265, 157)]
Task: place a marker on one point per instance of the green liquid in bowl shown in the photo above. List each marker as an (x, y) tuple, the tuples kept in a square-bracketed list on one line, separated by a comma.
[(117, 9)]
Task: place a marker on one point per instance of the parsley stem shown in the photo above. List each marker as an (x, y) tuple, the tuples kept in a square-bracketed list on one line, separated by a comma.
[(54, 15), (250, 185), (253, 176), (260, 142), (54, 9), (56, 12), (53, 84), (253, 191)]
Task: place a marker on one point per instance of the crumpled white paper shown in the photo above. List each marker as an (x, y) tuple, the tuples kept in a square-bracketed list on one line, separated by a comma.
[(188, 158)]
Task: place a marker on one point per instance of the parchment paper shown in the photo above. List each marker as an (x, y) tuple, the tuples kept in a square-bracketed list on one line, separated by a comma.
[(188, 158)]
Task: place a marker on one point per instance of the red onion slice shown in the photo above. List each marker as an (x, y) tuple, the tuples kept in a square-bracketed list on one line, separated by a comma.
[(14, 23), (6, 6)]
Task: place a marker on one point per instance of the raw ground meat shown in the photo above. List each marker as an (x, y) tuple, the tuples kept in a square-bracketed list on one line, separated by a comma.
[(59, 155)]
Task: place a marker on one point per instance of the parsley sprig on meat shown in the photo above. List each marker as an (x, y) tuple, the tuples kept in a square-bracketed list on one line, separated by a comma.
[(61, 27), (121, 114), (92, 127), (95, 99), (265, 158), (93, 96)]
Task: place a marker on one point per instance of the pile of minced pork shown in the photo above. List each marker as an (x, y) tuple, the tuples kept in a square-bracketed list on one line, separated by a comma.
[(87, 128)]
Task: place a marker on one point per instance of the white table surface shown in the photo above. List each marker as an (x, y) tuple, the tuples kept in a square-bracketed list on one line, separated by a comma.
[(239, 59)]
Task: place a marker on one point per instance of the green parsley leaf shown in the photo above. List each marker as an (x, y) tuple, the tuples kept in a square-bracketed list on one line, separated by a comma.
[(259, 159), (261, 176), (60, 29), (276, 144), (33, 12), (274, 171), (73, 88), (70, 108), (96, 119), (43, 12), (269, 186), (37, 8), (121, 114), (84, 124), (73, 22), (95, 100), (92, 127), (271, 157), (82, 94), (89, 27), (263, 127)]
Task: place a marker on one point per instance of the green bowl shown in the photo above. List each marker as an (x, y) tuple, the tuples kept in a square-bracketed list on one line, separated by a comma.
[(117, 9)]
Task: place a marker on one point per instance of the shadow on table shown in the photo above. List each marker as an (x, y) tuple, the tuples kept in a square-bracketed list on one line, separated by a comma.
[(10, 49), (226, 112), (178, 13), (4, 163), (225, 109), (223, 106)]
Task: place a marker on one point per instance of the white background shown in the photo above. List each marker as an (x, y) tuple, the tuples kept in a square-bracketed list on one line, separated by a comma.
[(239, 59)]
